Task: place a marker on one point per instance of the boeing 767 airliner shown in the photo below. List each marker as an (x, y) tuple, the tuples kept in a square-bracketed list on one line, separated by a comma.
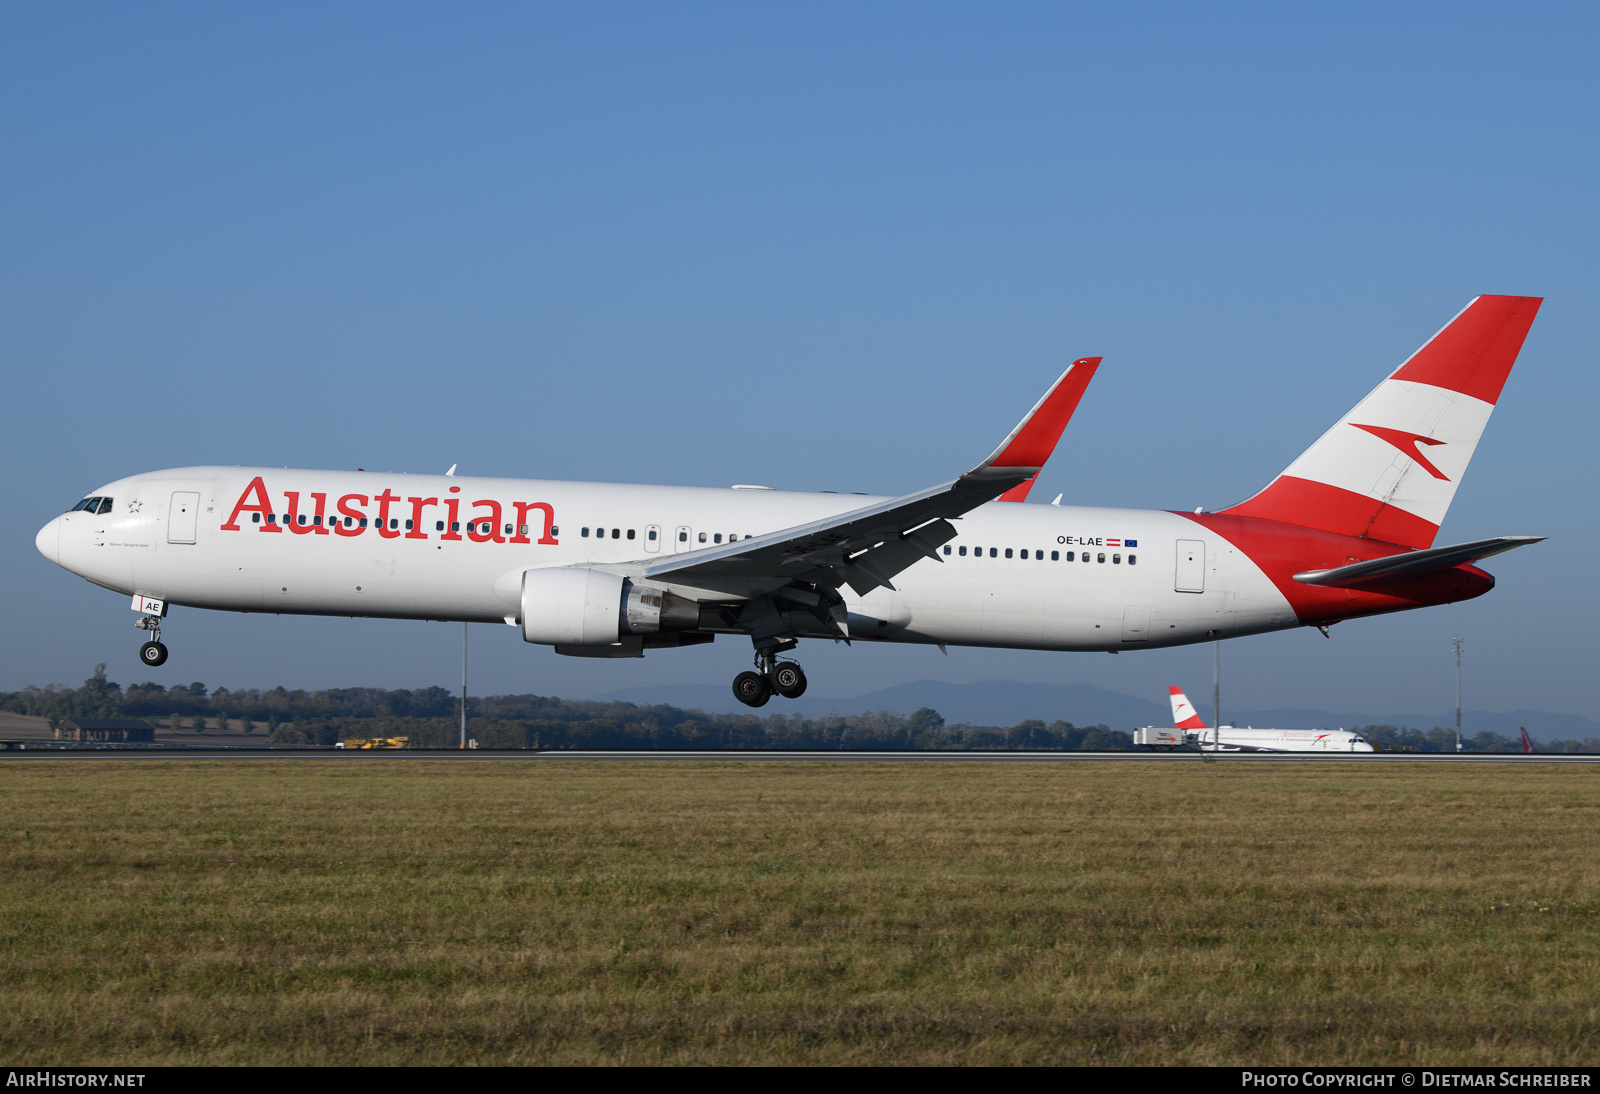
[(611, 570)]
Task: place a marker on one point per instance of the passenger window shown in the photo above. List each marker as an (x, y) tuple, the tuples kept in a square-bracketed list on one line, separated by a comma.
[(348, 522), (408, 526), (255, 518), (317, 520), (963, 552), (455, 525), (947, 548), (554, 531), (1055, 556), (1086, 556), (1072, 556), (508, 527), (363, 521), (584, 533), (1102, 556), (1116, 560), (438, 526), (272, 518), (394, 524), (702, 537), (650, 535), (1008, 552), (1133, 559), (630, 532), (683, 537), (616, 533), (717, 538), (993, 552)]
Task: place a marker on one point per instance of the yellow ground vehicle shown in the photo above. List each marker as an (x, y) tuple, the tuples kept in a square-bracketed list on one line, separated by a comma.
[(376, 742)]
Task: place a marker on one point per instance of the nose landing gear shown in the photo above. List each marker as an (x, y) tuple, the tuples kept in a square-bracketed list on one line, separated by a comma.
[(772, 677), (152, 653)]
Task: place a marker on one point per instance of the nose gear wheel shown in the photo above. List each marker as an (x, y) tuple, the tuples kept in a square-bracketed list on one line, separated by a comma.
[(152, 653)]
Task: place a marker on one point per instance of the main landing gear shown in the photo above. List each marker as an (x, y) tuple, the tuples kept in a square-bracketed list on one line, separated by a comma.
[(152, 653), (784, 678)]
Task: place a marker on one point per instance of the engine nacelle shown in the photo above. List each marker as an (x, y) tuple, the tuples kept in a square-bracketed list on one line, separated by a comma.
[(579, 606)]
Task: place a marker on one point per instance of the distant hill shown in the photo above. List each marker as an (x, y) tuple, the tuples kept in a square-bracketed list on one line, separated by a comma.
[(1006, 702)]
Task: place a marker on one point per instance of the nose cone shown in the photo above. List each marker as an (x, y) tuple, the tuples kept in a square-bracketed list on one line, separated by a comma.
[(49, 541)]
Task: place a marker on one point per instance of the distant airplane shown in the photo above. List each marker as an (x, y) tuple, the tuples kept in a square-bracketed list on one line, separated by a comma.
[(605, 570), (1527, 742), (1188, 729)]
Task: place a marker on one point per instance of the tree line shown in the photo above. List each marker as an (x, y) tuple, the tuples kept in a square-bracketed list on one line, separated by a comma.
[(430, 717)]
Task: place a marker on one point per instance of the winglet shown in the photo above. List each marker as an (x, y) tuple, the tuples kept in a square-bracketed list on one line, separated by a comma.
[(1029, 445)]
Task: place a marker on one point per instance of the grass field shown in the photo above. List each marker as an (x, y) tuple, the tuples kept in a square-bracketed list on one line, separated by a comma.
[(406, 912)]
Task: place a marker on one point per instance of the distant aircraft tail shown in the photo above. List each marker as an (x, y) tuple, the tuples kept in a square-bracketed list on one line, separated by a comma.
[(1527, 742), (1184, 715), (1388, 470)]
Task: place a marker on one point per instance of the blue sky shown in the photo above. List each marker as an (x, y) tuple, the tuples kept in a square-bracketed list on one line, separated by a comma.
[(816, 246)]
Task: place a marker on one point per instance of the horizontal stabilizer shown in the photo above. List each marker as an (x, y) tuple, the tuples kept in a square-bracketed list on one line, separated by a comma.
[(1412, 563)]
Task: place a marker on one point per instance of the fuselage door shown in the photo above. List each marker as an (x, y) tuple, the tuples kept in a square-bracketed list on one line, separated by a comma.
[(183, 517), (682, 540), (652, 538), (1191, 575)]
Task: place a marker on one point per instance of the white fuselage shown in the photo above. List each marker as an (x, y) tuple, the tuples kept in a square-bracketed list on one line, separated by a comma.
[(1232, 738), (1048, 577)]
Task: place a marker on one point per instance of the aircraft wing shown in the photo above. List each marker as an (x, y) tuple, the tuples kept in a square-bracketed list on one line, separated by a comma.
[(867, 547), (1413, 563)]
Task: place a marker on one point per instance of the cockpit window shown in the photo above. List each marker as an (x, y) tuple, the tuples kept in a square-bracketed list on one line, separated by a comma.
[(105, 506), (87, 505)]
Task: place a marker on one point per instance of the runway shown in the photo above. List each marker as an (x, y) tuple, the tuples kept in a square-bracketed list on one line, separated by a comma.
[(227, 754)]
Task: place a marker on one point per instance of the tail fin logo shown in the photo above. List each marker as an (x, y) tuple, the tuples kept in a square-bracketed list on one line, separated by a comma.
[(1406, 443), (1184, 716)]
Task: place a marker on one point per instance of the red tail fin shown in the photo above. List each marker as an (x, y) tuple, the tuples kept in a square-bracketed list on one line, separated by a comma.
[(1389, 469), (1527, 742)]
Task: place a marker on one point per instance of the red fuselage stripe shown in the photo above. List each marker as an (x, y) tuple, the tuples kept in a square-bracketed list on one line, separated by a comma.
[(1316, 505), (1283, 550)]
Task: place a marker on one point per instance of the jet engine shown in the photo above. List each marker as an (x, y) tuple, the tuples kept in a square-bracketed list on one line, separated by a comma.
[(579, 606)]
